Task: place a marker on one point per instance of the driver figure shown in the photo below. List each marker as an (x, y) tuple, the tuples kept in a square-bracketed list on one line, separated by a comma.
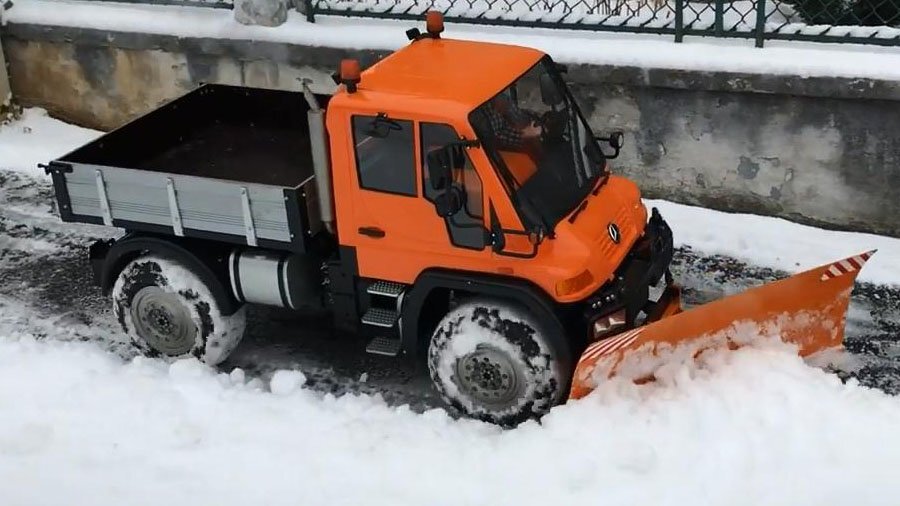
[(514, 129)]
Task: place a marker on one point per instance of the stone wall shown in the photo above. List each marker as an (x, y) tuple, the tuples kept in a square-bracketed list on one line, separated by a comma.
[(824, 151)]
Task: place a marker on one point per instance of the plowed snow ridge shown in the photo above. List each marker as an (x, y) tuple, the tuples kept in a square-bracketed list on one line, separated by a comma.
[(756, 426)]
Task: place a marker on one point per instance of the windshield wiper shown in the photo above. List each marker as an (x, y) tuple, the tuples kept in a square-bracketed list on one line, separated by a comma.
[(600, 182), (577, 211)]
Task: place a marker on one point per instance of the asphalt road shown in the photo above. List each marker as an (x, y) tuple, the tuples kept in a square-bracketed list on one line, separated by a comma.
[(44, 269)]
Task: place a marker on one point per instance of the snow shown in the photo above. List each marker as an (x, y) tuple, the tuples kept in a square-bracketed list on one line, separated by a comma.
[(778, 243), (574, 46), (660, 358), (755, 426), (286, 382), (37, 138)]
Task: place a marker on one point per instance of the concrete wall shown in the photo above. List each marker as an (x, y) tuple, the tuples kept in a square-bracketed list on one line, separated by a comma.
[(5, 90), (824, 151)]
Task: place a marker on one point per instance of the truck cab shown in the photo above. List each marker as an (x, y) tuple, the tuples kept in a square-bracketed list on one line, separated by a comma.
[(544, 209)]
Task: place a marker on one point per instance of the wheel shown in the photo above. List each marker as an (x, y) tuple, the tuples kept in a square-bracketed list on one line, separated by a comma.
[(493, 362), (167, 310)]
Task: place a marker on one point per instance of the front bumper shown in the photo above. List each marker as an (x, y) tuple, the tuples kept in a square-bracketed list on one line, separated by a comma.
[(645, 265)]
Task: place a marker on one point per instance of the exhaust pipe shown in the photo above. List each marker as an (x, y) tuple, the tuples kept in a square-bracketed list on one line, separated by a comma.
[(318, 138)]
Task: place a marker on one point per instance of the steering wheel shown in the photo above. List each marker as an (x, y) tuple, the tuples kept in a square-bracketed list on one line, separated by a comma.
[(553, 125)]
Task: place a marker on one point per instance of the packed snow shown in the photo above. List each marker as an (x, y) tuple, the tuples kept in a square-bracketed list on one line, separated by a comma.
[(26, 142), (778, 243), (756, 426), (573, 46)]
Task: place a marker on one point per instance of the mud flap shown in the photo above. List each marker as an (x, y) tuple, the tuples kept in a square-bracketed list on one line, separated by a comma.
[(808, 309)]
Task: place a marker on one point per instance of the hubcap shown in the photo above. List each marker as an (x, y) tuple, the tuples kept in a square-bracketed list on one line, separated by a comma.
[(488, 375), (162, 321)]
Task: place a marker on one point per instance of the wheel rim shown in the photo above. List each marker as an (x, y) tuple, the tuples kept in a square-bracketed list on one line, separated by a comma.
[(163, 321), (488, 376)]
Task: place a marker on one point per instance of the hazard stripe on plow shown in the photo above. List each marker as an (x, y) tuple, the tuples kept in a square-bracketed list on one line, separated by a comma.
[(847, 265), (610, 345)]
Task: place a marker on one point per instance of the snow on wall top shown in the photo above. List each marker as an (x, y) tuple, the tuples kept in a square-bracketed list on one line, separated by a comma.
[(788, 58)]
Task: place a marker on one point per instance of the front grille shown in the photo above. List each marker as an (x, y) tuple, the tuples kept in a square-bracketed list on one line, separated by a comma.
[(607, 247)]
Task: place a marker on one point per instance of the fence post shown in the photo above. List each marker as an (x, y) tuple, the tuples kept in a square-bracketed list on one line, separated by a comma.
[(310, 13), (760, 22), (679, 20), (720, 18)]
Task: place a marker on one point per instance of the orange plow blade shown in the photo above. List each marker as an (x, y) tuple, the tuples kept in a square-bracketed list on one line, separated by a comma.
[(808, 309)]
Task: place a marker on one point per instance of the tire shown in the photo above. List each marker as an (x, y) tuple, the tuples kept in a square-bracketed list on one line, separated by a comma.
[(493, 362), (167, 310)]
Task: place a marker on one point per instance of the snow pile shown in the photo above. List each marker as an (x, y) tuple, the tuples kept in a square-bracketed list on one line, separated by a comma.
[(573, 46), (755, 426), (657, 358), (37, 138)]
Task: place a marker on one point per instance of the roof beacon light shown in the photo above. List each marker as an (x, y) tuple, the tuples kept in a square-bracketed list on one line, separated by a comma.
[(350, 74), (434, 24)]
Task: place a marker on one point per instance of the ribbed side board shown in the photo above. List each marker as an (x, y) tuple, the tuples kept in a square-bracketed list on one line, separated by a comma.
[(204, 204)]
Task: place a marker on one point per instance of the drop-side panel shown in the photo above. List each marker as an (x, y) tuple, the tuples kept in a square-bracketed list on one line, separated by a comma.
[(186, 205)]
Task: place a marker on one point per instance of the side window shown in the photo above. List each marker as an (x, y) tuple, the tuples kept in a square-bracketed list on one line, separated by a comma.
[(466, 227), (385, 154)]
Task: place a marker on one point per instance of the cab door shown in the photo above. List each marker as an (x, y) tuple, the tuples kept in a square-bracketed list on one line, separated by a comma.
[(397, 232)]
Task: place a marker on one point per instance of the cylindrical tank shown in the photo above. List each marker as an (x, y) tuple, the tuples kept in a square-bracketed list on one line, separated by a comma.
[(275, 279)]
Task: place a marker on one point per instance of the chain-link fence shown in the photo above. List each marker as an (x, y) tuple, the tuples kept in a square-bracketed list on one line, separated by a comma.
[(856, 21)]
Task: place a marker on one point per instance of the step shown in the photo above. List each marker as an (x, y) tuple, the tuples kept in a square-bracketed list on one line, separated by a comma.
[(386, 289), (384, 346), (380, 317)]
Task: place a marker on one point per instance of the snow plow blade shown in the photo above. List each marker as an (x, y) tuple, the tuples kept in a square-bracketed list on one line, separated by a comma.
[(808, 309)]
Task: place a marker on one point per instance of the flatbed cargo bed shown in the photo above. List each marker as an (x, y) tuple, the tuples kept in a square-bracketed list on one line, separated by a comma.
[(223, 162)]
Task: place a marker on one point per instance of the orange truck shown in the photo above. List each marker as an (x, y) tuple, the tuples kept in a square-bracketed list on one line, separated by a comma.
[(450, 203)]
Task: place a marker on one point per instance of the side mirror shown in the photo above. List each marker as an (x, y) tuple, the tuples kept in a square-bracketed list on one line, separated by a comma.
[(441, 163), (450, 201), (550, 94), (616, 140), (439, 170)]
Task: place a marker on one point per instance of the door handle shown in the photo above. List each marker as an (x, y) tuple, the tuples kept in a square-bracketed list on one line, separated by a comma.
[(375, 232)]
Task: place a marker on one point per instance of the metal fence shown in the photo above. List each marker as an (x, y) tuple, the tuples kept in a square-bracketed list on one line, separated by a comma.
[(855, 21)]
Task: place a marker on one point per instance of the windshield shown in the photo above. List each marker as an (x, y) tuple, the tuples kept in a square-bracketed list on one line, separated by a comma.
[(542, 147)]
